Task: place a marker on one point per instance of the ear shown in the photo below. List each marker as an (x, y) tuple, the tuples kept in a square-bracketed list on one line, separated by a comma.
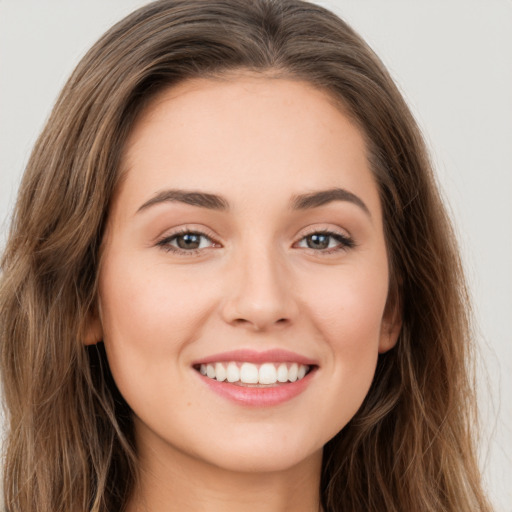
[(391, 326), (93, 329)]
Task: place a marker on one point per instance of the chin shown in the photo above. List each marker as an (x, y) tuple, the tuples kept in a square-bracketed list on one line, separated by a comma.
[(263, 461), (263, 454)]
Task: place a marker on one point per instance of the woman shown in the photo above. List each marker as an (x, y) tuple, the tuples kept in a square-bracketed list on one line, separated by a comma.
[(230, 281)]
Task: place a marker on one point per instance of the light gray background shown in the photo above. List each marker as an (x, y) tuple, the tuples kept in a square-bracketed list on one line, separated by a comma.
[(453, 61)]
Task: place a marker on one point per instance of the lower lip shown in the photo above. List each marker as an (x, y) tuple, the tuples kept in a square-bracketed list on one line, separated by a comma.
[(256, 396)]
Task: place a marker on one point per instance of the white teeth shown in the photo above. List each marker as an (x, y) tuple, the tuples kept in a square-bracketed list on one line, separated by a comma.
[(220, 372), (267, 374), (210, 371), (233, 373), (249, 373), (293, 372), (282, 373)]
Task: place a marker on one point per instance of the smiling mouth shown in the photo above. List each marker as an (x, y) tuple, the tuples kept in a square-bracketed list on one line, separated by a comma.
[(254, 375)]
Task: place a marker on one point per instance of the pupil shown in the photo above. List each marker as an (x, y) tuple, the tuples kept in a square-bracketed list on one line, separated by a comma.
[(318, 241), (188, 241)]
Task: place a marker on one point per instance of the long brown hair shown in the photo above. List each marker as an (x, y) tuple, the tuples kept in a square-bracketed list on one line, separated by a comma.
[(70, 442)]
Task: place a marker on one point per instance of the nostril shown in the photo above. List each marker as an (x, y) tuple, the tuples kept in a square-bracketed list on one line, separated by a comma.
[(240, 321), (260, 325)]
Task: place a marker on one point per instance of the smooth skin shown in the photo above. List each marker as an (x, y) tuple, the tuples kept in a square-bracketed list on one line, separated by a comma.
[(257, 271)]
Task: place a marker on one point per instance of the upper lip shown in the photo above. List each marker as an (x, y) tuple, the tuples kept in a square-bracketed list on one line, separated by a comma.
[(258, 357)]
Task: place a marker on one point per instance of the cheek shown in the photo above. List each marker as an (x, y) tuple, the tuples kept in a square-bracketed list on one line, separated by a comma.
[(348, 306), (348, 315), (148, 316), (146, 303)]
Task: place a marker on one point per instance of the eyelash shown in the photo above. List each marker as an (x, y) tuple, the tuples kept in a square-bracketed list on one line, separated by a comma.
[(344, 242), (165, 243)]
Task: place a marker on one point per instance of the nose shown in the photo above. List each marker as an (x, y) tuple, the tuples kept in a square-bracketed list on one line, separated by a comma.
[(260, 293)]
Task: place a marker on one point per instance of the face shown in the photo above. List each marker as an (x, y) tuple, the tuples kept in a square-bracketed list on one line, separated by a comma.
[(244, 274)]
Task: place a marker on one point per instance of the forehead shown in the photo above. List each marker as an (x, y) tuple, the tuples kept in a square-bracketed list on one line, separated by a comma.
[(235, 134)]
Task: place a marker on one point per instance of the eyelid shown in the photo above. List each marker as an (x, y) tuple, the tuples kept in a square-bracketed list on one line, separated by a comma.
[(163, 240), (345, 239), (324, 228), (187, 228)]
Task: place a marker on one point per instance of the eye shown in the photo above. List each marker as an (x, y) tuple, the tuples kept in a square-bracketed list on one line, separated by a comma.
[(186, 242), (326, 241)]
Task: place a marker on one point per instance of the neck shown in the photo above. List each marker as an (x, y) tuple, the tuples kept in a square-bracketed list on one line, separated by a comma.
[(175, 482)]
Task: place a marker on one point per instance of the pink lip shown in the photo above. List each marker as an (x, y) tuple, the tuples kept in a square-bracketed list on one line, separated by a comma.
[(252, 356), (258, 397)]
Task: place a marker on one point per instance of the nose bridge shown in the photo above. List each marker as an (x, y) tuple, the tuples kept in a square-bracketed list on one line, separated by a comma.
[(260, 294)]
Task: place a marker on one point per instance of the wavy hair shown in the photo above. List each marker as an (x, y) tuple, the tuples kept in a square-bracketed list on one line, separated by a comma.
[(69, 443)]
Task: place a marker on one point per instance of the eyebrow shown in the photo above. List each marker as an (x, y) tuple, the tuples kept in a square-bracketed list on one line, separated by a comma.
[(322, 197), (216, 202), (201, 199)]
